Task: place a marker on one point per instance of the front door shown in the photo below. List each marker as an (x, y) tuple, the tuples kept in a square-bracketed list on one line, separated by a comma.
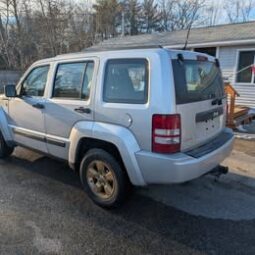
[(26, 111), (69, 102)]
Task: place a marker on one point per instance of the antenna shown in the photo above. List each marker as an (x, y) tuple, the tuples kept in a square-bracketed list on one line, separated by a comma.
[(187, 36), (189, 28)]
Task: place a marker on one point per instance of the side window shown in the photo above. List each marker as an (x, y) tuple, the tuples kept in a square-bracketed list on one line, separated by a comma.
[(35, 82), (73, 80), (126, 81)]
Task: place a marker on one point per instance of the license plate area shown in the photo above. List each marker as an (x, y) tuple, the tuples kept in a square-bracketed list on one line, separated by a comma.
[(209, 115), (208, 123)]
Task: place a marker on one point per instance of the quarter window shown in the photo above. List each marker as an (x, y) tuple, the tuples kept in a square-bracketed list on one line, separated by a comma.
[(35, 82), (73, 80), (126, 81), (246, 62)]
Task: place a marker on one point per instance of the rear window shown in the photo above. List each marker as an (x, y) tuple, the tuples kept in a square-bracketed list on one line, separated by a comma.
[(197, 81)]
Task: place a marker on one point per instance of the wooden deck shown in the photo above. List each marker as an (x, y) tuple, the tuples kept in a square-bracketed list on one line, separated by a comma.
[(236, 114)]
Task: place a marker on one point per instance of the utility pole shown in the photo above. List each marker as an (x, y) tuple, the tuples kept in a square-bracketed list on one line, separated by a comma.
[(122, 23), (122, 8)]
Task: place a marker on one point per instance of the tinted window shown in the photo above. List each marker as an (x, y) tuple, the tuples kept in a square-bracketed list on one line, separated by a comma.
[(73, 80), (197, 81), (246, 60), (35, 82), (126, 81)]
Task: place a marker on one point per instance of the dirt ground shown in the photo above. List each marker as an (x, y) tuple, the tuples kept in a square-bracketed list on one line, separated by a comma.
[(247, 147)]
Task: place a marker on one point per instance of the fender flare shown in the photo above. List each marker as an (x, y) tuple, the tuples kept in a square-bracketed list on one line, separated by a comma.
[(119, 136), (5, 130)]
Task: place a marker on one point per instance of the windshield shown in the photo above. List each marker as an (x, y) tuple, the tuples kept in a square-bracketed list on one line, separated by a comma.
[(197, 81)]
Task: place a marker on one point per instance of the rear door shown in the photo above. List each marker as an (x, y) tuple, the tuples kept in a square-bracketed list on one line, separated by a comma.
[(199, 98), (70, 101)]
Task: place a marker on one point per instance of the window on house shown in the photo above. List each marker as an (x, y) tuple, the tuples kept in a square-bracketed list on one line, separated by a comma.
[(209, 50), (245, 63)]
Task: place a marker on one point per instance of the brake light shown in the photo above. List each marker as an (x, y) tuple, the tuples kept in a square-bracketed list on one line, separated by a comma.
[(166, 133)]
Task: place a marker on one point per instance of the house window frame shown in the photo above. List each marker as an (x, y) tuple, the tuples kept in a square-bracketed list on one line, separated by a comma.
[(252, 83)]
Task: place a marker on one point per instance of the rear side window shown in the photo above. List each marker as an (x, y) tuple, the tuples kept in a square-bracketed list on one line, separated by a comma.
[(126, 81), (73, 80), (197, 81)]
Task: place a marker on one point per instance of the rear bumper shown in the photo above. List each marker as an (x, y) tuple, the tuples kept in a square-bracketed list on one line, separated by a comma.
[(180, 167)]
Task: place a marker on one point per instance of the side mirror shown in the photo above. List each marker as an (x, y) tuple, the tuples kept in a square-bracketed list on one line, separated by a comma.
[(10, 90)]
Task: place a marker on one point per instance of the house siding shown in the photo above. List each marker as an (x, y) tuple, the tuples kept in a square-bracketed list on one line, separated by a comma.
[(228, 57)]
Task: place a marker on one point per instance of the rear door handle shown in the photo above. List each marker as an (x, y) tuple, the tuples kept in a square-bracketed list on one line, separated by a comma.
[(38, 106), (83, 110)]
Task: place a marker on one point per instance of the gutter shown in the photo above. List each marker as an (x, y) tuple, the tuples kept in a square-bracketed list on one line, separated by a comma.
[(212, 44)]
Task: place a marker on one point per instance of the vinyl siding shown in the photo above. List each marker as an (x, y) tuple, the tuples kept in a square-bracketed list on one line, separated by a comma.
[(228, 57)]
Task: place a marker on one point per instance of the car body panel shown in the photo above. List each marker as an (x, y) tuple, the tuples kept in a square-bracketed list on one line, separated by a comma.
[(126, 126)]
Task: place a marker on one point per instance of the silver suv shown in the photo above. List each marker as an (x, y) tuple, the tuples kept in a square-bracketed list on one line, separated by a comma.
[(121, 118)]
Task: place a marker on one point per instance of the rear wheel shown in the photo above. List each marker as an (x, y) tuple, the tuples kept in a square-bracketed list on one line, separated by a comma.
[(5, 150), (104, 180)]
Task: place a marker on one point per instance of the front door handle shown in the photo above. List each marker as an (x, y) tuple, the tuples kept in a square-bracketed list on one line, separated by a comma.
[(83, 110), (38, 106)]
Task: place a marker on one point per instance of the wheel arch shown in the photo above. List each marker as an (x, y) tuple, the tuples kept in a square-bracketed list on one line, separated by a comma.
[(117, 140), (4, 128)]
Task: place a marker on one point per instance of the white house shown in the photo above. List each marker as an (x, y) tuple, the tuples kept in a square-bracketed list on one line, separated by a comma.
[(233, 45)]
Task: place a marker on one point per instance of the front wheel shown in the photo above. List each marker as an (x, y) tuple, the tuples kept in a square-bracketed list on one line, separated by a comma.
[(103, 178), (5, 150)]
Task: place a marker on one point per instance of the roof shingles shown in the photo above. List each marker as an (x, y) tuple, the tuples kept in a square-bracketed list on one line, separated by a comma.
[(220, 33)]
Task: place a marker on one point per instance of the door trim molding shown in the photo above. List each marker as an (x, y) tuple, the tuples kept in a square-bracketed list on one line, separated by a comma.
[(39, 136)]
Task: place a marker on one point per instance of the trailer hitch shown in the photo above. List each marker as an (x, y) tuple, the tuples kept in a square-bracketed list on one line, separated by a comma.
[(219, 170)]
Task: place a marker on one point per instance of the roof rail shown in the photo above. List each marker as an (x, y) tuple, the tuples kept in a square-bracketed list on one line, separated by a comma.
[(100, 49), (114, 48)]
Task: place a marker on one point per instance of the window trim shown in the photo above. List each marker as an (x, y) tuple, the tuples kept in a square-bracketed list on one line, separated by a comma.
[(20, 85), (252, 83), (67, 63), (129, 102)]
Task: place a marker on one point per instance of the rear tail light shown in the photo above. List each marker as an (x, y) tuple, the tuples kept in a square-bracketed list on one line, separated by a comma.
[(166, 133)]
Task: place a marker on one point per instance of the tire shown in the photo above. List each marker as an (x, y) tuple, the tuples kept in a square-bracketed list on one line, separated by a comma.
[(5, 150), (103, 178)]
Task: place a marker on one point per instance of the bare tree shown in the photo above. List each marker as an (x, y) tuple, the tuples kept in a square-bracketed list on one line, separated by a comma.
[(239, 10), (150, 16), (81, 29), (187, 13), (133, 13), (4, 33), (107, 14), (167, 14), (211, 13), (35, 29)]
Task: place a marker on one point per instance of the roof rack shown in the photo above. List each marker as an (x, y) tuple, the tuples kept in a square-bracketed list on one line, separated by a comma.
[(114, 48)]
